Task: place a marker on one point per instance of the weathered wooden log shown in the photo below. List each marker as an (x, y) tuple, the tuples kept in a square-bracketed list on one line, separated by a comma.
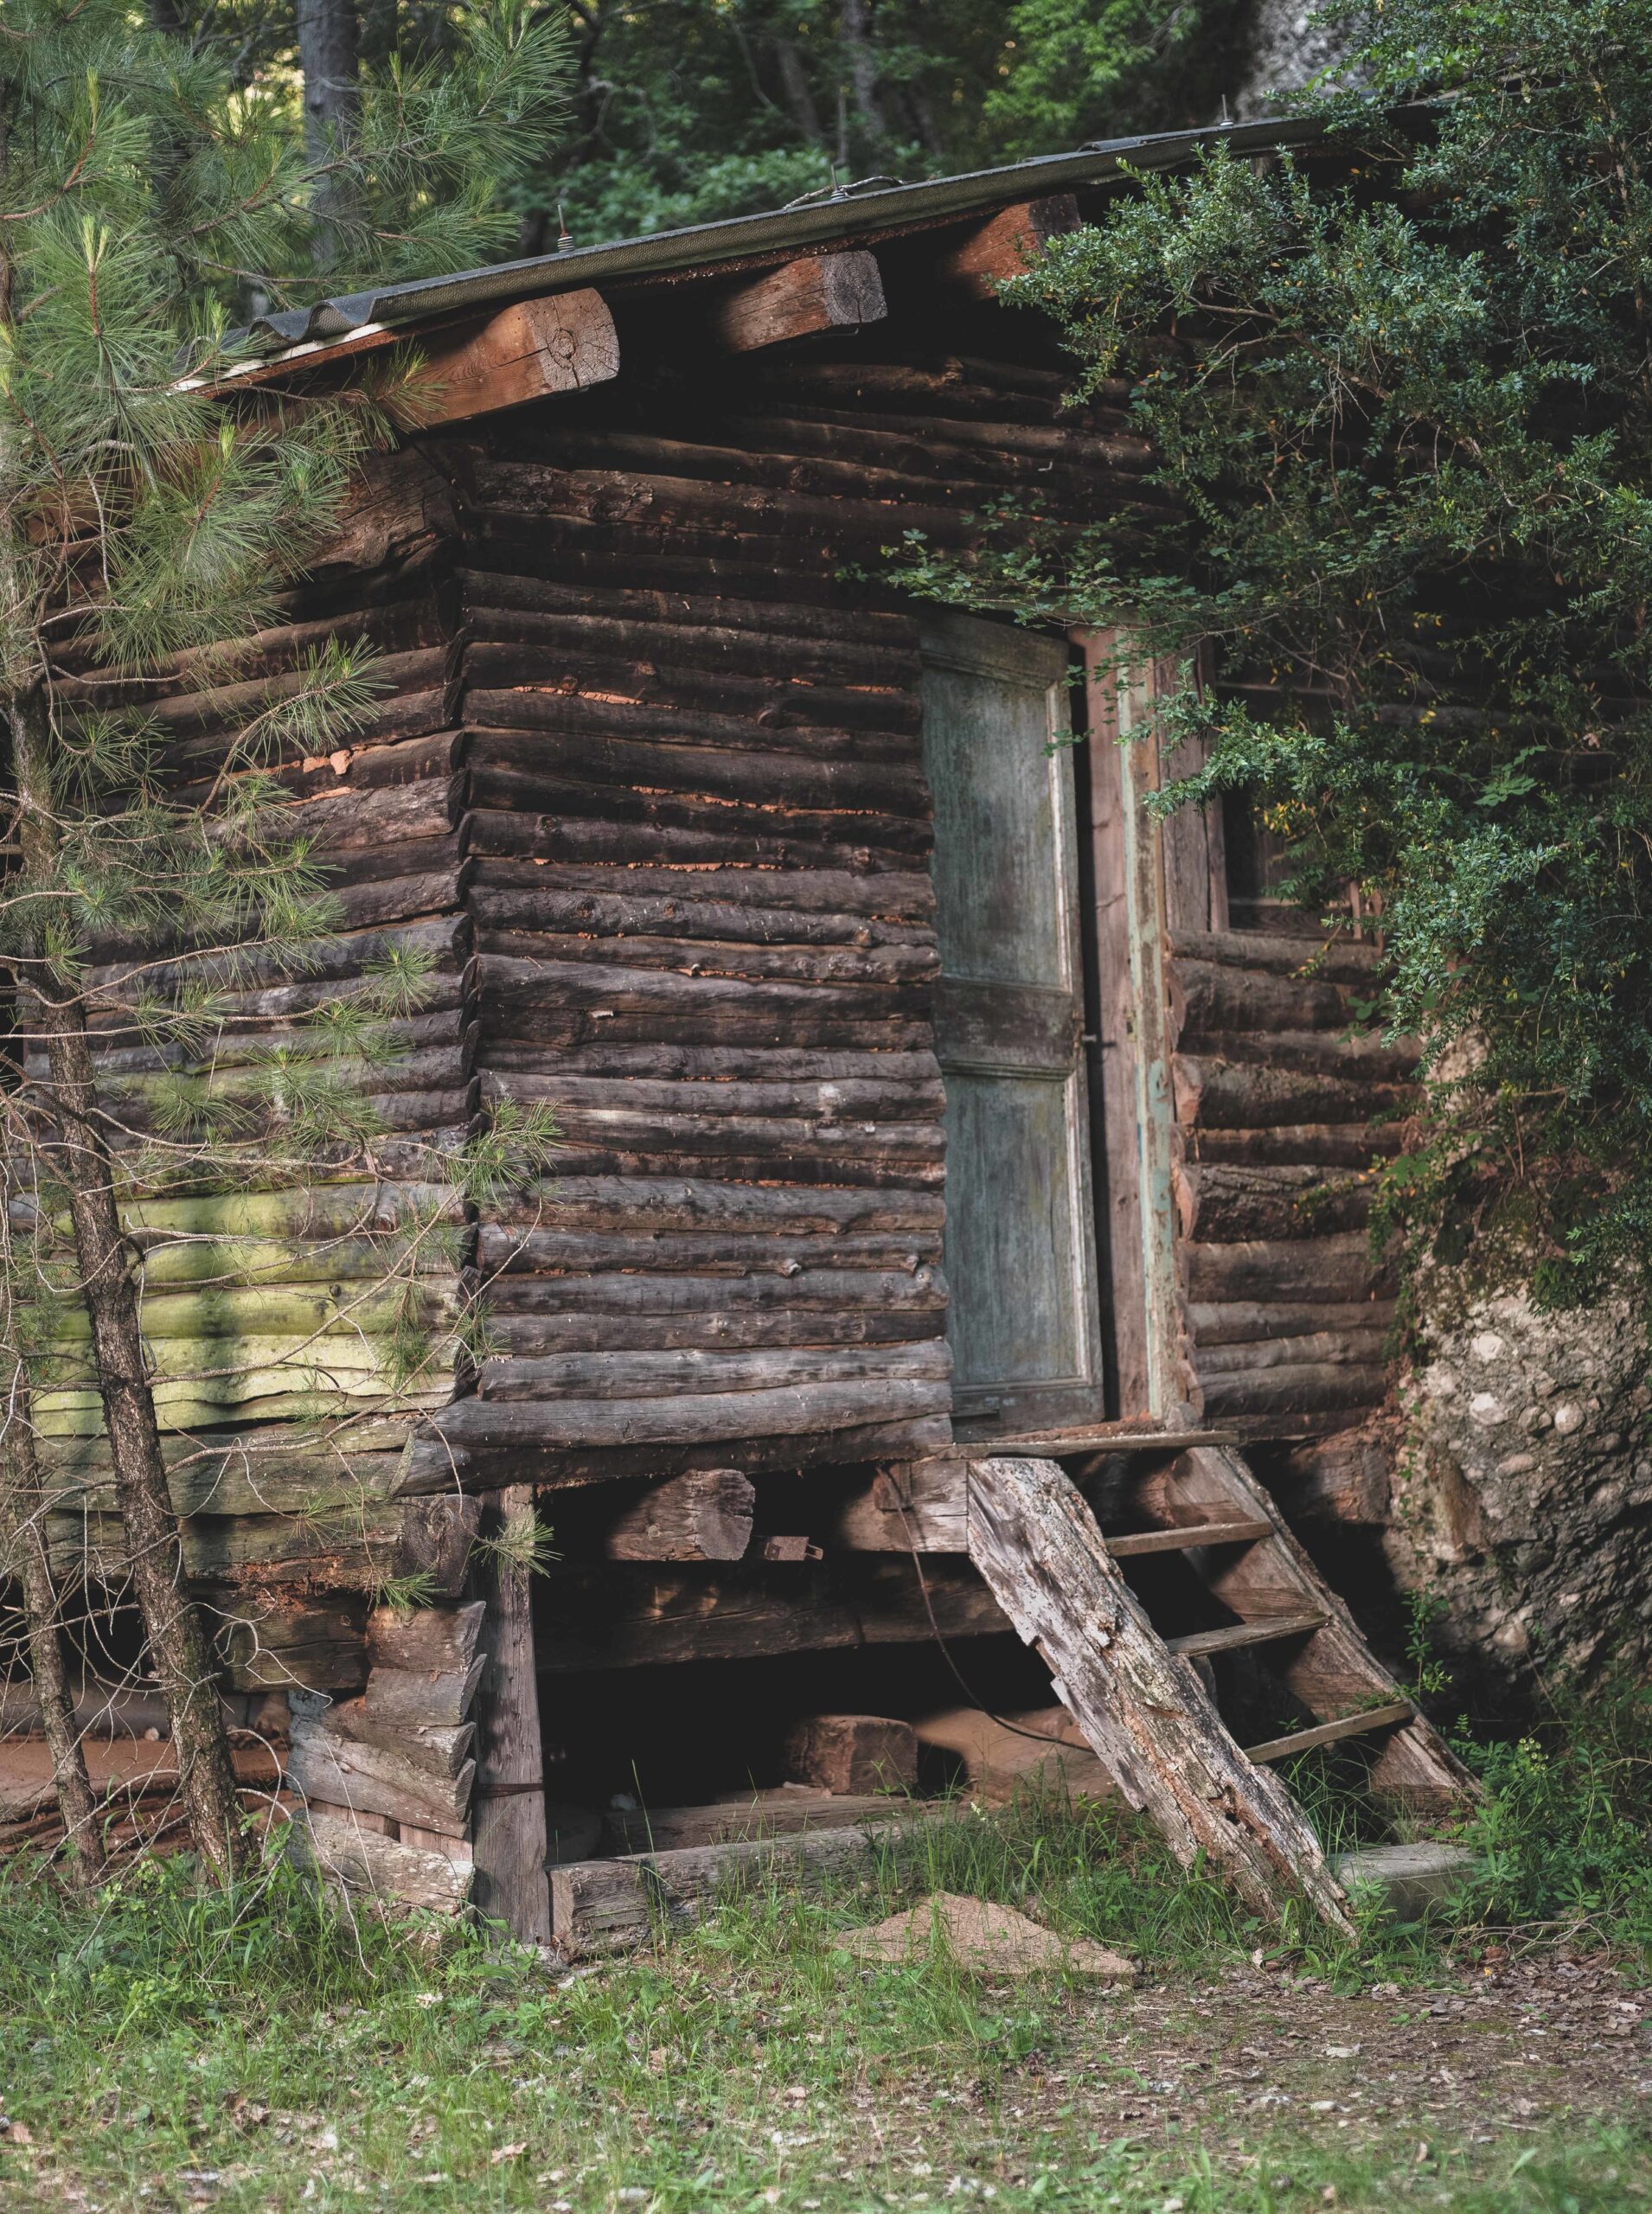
[(271, 1471), (735, 899), (509, 1817), (276, 1642), (1341, 1347), (434, 1464), (1007, 244), (684, 504), (610, 1906), (873, 965), (646, 830), (1220, 1203), (344, 1550), (252, 981), (1338, 1269), (824, 1101), (617, 1205), (1290, 1390), (826, 291), (324, 1764), (678, 824), (564, 342), (705, 1327), (522, 1267), (389, 1872), (425, 1640), (854, 627), (853, 1753), (910, 1507), (1209, 997), (548, 998), (247, 1315), (1147, 1715), (680, 704), (547, 908), (1213, 1093), (1316, 1145), (639, 1377), (757, 1613), (439, 1748), (721, 640), (435, 1541), (254, 1261), (571, 739), (790, 1810), (1243, 1322), (799, 1291), (1320, 960), (402, 1698), (1330, 1053), (705, 1515), (885, 1152)]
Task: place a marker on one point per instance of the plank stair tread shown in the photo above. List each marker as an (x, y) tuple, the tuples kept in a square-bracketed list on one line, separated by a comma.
[(1097, 1437), (1232, 1530), (1329, 1733), (1263, 1630)]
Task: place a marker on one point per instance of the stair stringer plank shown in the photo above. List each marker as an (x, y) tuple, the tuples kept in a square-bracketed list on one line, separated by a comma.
[(1146, 1714), (1415, 1765)]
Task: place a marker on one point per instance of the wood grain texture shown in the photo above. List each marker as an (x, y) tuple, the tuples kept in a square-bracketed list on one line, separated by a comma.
[(509, 1840), (1148, 1718)]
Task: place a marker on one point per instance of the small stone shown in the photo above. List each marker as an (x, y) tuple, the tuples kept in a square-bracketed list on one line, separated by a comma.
[(1568, 1416), (1487, 1410), (1487, 1345)]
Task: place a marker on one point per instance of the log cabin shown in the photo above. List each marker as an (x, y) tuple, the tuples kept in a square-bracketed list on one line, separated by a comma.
[(958, 1164)]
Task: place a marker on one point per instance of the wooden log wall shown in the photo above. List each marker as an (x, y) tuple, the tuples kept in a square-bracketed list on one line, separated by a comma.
[(1282, 1116), (695, 839)]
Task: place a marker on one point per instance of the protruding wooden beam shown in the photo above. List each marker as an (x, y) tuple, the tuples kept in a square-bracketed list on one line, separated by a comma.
[(1009, 244), (705, 1515), (827, 291), (563, 343)]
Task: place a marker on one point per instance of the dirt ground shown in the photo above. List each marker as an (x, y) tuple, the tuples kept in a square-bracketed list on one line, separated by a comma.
[(1521, 2043)]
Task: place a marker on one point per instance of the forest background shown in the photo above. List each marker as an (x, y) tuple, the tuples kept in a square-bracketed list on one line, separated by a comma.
[(686, 111)]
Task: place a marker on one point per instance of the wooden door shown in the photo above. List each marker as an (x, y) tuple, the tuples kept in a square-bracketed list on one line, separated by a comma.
[(1020, 1254)]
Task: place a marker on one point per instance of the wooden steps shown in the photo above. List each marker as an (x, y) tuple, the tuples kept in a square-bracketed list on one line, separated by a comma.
[(1266, 1629), (1147, 1700)]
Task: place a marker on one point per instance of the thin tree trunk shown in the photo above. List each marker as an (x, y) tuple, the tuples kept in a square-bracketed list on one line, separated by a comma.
[(329, 57), (23, 1521), (799, 94), (178, 1648), (864, 74)]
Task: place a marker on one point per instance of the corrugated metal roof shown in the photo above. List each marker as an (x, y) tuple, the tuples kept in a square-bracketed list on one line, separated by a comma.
[(855, 214)]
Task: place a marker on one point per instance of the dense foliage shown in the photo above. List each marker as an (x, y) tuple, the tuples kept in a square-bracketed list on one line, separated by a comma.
[(1402, 393), (687, 110)]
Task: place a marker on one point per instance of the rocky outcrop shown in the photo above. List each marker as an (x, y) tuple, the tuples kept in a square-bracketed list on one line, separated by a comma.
[(1521, 1490), (1288, 42)]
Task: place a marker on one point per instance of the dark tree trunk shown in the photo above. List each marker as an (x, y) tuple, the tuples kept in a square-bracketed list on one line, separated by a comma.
[(799, 94), (22, 1519), (178, 1648), (860, 63), (330, 56)]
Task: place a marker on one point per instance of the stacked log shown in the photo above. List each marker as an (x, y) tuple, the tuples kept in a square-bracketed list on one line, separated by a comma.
[(1285, 1112), (695, 846)]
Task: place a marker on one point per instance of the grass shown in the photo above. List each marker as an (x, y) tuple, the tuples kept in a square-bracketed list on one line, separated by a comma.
[(175, 2047)]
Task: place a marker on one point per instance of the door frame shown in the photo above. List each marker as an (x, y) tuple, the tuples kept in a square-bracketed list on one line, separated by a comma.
[(976, 647)]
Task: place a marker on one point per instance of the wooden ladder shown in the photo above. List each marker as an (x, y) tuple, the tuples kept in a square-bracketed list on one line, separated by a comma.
[(1144, 1701)]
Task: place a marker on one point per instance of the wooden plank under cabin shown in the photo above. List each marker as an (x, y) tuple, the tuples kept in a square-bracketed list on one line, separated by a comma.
[(508, 1841)]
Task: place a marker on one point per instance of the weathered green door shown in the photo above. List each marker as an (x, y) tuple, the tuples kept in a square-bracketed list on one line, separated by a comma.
[(1024, 1323)]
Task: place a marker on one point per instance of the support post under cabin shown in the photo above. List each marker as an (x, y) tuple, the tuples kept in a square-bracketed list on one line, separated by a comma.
[(509, 1805)]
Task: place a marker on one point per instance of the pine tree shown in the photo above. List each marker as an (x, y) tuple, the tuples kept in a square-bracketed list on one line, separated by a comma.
[(146, 200)]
